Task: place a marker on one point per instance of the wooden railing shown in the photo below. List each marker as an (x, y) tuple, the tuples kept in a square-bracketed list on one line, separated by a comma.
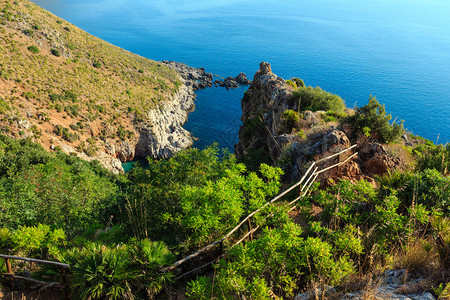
[(63, 268), (307, 180)]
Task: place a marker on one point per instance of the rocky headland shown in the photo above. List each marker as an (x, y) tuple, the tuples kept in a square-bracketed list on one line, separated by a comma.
[(314, 136)]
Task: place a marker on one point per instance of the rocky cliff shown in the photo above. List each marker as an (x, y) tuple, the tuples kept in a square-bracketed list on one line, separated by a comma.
[(262, 105), (274, 124)]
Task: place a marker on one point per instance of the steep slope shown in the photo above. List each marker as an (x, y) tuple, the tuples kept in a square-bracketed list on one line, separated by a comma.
[(64, 88)]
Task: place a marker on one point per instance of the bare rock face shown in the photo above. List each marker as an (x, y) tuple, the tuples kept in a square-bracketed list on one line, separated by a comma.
[(264, 102), (393, 285), (161, 139), (242, 79), (109, 162), (375, 159), (124, 151), (376, 165), (264, 68), (233, 82), (166, 136), (335, 141)]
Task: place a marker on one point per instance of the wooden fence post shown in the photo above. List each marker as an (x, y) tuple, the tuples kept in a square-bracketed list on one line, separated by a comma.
[(8, 266), (64, 283), (250, 229)]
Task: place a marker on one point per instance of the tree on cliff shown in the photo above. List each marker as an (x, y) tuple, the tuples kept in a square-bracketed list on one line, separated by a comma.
[(371, 120)]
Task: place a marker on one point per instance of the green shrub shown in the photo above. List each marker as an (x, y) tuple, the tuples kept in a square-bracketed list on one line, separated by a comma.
[(55, 52), (28, 95), (29, 32), (4, 107), (52, 188), (33, 49), (36, 131), (290, 120), (291, 83), (65, 133), (97, 64), (371, 120), (315, 99), (70, 95), (38, 241), (148, 257), (298, 82), (279, 263), (72, 110), (254, 126), (431, 156), (101, 273), (199, 289), (197, 195), (120, 272)]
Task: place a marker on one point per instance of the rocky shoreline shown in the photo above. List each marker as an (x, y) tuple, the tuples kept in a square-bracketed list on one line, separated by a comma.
[(164, 136), (198, 78)]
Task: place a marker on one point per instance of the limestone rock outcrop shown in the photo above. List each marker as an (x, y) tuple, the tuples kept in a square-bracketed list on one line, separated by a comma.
[(393, 284), (166, 136), (159, 138), (262, 105), (263, 108)]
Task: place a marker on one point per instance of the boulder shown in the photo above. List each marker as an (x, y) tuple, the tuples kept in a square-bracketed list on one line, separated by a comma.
[(376, 165), (242, 79), (335, 141)]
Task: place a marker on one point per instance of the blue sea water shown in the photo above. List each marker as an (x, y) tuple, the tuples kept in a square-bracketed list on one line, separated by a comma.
[(396, 50)]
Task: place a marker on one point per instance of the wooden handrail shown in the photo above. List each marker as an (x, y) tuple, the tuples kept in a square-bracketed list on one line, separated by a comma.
[(61, 285), (40, 261), (336, 154)]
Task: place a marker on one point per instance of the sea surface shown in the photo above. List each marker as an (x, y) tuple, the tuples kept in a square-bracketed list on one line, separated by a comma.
[(396, 50)]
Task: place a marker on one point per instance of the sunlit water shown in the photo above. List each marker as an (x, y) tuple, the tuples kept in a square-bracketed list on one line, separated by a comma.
[(397, 50)]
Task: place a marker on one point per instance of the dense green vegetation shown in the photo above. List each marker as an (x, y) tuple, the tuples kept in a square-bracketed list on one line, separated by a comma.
[(117, 232), (315, 99), (53, 189), (359, 230), (55, 206), (196, 196)]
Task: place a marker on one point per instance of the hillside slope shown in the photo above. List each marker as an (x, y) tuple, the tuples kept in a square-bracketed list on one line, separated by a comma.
[(64, 88)]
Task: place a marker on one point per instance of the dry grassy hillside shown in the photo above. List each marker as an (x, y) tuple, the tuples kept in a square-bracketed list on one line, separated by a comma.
[(58, 83)]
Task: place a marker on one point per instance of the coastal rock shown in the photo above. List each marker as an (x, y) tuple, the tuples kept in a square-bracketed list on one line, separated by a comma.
[(233, 82), (228, 83), (376, 161), (106, 160), (266, 94), (242, 79), (392, 285), (197, 78), (124, 151)]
